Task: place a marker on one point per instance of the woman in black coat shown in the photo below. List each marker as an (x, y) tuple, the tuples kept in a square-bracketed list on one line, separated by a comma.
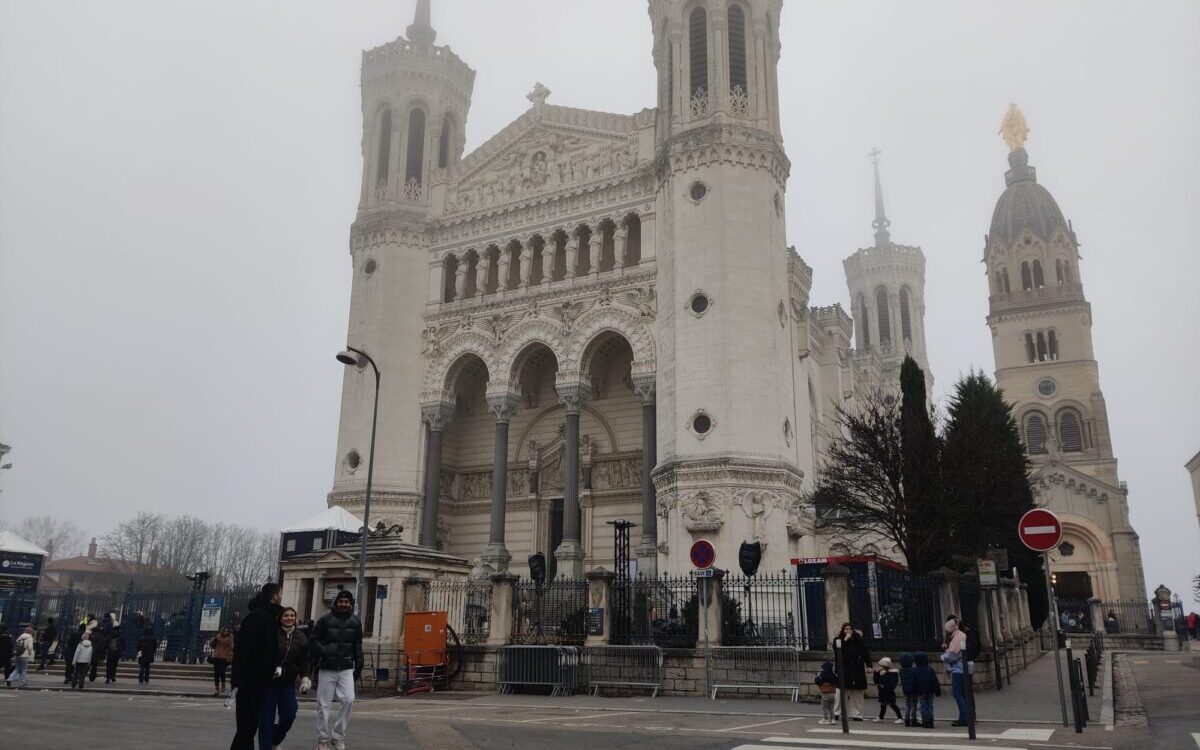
[(855, 659)]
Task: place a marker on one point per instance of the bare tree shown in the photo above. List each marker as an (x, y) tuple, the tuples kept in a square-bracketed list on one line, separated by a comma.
[(60, 537), (133, 540)]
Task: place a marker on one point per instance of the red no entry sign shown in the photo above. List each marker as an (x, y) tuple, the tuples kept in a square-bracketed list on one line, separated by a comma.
[(703, 553), (1040, 530)]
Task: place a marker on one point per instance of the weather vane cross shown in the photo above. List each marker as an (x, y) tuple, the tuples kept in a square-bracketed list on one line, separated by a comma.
[(874, 154)]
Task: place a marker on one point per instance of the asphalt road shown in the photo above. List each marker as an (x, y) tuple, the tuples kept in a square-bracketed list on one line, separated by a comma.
[(1169, 686), (43, 719)]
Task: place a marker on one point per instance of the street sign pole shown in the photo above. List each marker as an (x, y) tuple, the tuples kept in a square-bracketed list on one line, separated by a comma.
[(1062, 696), (987, 597)]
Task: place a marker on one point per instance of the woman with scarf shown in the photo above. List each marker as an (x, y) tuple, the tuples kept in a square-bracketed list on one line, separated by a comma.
[(292, 666)]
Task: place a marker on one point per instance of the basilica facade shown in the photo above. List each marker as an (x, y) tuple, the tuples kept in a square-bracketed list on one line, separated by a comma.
[(595, 317)]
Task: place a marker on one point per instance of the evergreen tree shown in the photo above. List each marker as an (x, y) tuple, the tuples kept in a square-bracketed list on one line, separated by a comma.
[(986, 476), (930, 519)]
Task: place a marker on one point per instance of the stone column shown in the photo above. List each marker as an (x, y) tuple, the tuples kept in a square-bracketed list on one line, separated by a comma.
[(837, 599), (500, 622), (647, 550), (436, 416), (460, 276), (488, 265), (947, 592), (711, 618), (526, 261), (572, 255), (570, 552), (1005, 624), (548, 259), (599, 589), (497, 555), (1026, 615), (620, 250)]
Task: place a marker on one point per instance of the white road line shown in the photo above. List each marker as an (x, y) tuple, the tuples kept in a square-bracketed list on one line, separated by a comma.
[(1196, 738), (762, 724), (569, 718), (865, 743), (1033, 735)]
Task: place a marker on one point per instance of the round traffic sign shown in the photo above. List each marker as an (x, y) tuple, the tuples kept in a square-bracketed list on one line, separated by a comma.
[(703, 553), (1040, 530)]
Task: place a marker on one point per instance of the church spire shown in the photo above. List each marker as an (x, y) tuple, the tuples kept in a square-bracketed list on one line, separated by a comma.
[(883, 238), (420, 31)]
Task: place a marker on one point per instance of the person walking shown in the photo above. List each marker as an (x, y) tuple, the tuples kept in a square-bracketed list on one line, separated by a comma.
[(293, 664), (6, 652), (69, 654), (222, 655), (99, 649), (855, 659), (112, 654), (147, 646), (47, 641), (886, 679), (927, 687), (82, 659), (338, 656), (22, 654), (254, 655), (954, 656), (908, 685), (827, 684)]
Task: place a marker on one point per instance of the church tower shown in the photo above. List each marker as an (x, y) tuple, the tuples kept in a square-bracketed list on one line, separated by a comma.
[(728, 415), (415, 98), (887, 296), (1041, 326)]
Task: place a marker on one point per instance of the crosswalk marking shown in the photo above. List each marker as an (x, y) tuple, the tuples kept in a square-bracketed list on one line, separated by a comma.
[(1196, 737), (830, 742), (1035, 735)]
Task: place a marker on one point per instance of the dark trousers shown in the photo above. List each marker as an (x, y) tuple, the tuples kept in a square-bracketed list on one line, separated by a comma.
[(281, 698), (249, 706), (883, 707), (110, 666), (220, 666), (143, 671), (79, 677)]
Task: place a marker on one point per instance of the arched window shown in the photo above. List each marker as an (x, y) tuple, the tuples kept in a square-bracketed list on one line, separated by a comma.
[(1026, 277), (1030, 350), (1035, 434), (514, 252), (1058, 270), (446, 142), (864, 330), (632, 254), (383, 154), (471, 284), (1004, 280), (881, 310), (698, 51), (449, 274), (1039, 278), (905, 316), (1070, 431), (1067, 271), (737, 55), (1042, 352), (1053, 339), (414, 168)]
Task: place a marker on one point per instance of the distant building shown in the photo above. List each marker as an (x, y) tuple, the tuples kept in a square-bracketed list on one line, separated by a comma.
[(327, 529), (93, 573), (1193, 467)]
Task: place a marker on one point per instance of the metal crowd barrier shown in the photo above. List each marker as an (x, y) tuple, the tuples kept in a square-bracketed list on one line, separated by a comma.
[(556, 667), (623, 666), (758, 667)]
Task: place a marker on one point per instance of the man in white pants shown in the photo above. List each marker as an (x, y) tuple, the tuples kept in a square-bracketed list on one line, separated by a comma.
[(336, 643)]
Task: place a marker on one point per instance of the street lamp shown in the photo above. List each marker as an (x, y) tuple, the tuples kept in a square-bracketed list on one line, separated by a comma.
[(356, 357)]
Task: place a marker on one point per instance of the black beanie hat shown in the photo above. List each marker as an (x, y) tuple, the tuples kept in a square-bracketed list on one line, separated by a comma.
[(344, 594)]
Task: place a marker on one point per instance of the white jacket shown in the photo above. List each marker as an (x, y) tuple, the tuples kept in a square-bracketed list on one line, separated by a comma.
[(83, 653), (23, 648)]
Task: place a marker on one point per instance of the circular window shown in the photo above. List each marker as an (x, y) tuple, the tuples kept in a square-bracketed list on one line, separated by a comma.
[(370, 266), (1066, 549), (1047, 387), (702, 424), (699, 304), (353, 461), (697, 191)]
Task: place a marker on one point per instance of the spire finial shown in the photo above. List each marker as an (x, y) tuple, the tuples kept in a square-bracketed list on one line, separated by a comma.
[(420, 31), (883, 238), (1013, 128)]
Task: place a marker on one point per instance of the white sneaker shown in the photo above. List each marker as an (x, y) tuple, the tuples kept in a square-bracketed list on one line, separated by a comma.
[(875, 720), (822, 721), (324, 745), (898, 721), (339, 745)]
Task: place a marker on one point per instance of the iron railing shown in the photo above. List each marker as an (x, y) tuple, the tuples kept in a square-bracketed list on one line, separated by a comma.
[(660, 611), (554, 612), (1127, 618), (773, 609), (896, 611), (467, 604)]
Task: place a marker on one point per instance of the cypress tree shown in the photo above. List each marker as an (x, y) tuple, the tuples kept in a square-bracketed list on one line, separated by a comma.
[(930, 520)]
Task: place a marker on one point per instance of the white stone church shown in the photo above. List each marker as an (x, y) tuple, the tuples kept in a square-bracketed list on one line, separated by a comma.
[(596, 316)]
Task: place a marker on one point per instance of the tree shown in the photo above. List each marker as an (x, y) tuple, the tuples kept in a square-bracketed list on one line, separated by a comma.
[(133, 540), (986, 476), (922, 473), (860, 493), (60, 537)]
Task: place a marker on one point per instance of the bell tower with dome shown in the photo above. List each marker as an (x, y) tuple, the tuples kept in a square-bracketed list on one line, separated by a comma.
[(1041, 324)]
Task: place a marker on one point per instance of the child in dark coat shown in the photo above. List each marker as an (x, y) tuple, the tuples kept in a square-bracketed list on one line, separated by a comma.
[(908, 685), (886, 680), (927, 686), (827, 683)]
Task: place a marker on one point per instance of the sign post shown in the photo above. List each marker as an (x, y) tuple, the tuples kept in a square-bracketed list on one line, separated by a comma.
[(703, 554), (1041, 531)]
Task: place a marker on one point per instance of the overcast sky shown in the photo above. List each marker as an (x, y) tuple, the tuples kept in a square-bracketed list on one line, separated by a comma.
[(177, 181)]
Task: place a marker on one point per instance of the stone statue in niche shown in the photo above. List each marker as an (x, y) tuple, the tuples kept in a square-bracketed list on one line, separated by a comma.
[(757, 506)]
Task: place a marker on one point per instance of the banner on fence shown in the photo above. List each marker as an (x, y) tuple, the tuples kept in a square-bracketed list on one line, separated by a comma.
[(210, 614)]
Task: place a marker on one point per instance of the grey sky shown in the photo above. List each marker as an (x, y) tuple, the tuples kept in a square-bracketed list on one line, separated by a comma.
[(177, 181)]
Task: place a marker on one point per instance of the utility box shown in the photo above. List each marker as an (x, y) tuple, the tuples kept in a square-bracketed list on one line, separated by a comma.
[(425, 638)]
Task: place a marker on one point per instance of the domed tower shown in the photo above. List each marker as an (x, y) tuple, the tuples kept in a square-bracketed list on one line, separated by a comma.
[(415, 99), (1041, 325), (887, 296), (728, 420)]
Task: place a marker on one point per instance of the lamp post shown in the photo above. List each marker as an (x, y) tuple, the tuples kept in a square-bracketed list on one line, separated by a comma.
[(356, 357)]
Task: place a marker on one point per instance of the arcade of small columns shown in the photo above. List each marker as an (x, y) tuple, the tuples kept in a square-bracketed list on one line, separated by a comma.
[(587, 249), (535, 370)]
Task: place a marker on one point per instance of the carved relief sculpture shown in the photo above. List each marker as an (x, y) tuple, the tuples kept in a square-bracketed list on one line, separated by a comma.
[(701, 512)]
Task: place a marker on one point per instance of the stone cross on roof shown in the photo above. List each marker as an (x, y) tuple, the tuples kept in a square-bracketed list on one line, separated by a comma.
[(539, 94)]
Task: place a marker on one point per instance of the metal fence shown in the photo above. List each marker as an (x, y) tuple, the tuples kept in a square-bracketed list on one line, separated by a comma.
[(467, 604), (623, 667), (757, 668), (774, 609), (968, 599), (896, 610), (551, 612), (661, 611), (541, 667), (1074, 616), (1128, 618)]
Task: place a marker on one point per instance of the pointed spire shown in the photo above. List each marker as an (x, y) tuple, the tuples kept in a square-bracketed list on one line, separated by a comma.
[(420, 31), (883, 238)]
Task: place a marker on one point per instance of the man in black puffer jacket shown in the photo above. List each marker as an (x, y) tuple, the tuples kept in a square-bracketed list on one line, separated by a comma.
[(336, 643), (254, 657)]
